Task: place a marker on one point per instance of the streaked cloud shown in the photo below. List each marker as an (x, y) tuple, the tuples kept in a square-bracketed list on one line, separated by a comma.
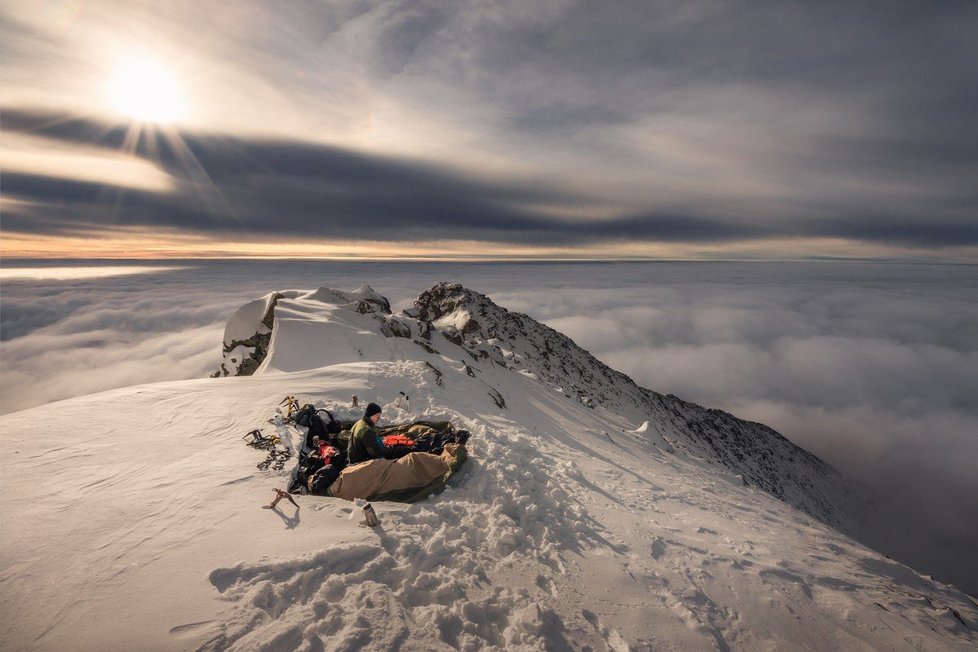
[(37, 157), (769, 128), (67, 273), (229, 187)]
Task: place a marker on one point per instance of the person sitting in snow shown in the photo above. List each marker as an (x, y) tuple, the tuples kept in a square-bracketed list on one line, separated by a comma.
[(365, 444)]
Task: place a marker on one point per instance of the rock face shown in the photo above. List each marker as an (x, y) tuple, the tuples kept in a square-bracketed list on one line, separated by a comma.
[(452, 323), (247, 335)]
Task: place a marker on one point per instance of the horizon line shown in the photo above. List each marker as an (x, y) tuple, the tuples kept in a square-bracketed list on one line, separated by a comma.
[(487, 259)]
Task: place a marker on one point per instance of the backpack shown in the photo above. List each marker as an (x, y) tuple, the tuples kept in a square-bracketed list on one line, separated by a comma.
[(303, 415), (324, 427), (319, 482), (307, 467), (328, 454), (309, 417)]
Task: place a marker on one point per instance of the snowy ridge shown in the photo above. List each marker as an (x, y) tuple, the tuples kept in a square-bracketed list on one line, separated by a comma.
[(456, 323), (761, 455), (570, 527), (248, 334)]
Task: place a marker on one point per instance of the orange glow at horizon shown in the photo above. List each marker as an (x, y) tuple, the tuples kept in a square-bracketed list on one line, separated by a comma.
[(137, 245)]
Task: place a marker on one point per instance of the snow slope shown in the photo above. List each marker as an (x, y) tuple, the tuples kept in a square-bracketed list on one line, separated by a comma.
[(592, 513)]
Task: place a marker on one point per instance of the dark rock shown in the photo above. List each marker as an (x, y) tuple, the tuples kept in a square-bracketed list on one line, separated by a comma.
[(438, 373)]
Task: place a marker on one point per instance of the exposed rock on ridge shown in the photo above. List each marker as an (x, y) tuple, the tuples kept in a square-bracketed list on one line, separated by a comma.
[(764, 458)]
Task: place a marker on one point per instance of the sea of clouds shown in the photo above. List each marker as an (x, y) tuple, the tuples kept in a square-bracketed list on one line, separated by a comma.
[(870, 366)]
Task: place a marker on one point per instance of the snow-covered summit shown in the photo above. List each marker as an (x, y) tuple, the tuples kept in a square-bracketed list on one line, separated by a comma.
[(248, 334), (592, 514), (298, 330)]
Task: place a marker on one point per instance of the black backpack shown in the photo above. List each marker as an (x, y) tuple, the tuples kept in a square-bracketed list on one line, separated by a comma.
[(320, 481), (303, 415), (324, 428)]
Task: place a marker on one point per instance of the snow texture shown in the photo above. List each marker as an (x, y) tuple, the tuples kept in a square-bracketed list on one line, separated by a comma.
[(592, 513)]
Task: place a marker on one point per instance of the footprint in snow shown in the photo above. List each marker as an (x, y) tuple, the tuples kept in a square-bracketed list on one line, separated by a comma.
[(190, 630), (658, 548), (612, 637)]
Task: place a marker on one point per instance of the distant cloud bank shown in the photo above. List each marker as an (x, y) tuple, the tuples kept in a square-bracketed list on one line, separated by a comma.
[(869, 366)]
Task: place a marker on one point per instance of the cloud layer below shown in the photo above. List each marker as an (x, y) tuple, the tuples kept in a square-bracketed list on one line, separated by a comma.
[(869, 366)]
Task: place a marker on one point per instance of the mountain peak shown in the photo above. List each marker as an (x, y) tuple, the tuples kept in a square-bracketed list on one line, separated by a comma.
[(595, 513), (450, 322)]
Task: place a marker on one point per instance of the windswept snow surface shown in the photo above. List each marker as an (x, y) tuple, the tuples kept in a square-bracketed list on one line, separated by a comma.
[(132, 519)]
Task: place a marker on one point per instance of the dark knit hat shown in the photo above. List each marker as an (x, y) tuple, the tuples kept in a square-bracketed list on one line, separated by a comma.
[(372, 409)]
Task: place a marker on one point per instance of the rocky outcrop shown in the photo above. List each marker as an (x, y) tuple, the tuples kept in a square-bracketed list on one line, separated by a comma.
[(391, 326), (243, 355)]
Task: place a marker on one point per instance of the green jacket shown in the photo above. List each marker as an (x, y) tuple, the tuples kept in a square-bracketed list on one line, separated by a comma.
[(365, 444)]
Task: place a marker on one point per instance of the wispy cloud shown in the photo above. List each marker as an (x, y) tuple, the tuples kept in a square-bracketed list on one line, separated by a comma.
[(777, 126), (230, 187)]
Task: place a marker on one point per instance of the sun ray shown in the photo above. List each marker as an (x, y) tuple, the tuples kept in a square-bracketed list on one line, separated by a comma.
[(201, 182)]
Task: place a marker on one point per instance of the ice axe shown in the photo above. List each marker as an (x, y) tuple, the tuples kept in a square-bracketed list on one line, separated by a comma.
[(279, 495)]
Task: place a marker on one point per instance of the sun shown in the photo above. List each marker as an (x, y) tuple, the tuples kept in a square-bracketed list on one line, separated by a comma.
[(143, 89)]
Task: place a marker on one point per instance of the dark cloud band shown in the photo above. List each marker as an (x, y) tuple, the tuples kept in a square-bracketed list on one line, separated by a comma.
[(245, 187)]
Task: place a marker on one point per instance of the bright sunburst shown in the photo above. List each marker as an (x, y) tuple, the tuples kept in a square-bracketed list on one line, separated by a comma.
[(145, 90)]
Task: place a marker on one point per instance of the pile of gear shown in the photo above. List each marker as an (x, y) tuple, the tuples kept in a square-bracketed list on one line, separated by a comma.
[(276, 458), (419, 457)]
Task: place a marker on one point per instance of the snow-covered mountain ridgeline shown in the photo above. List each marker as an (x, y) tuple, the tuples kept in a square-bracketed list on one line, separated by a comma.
[(248, 333), (592, 514), (455, 326)]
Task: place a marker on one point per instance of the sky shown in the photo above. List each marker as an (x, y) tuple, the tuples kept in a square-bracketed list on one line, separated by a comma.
[(870, 366), (362, 128)]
